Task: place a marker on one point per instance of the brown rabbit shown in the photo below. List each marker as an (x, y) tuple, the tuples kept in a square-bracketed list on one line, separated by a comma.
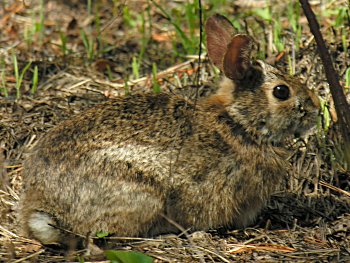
[(129, 165)]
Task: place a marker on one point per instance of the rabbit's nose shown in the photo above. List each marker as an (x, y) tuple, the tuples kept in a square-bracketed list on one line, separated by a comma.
[(301, 109), (297, 134)]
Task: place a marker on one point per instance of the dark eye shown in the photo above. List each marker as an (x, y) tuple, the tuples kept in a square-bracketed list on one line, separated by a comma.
[(281, 92)]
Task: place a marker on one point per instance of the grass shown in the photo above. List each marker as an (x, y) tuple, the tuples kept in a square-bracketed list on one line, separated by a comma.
[(3, 89), (19, 75), (135, 65), (63, 45), (324, 120), (347, 79), (36, 27), (156, 86), (35, 80), (40, 26), (89, 44), (186, 41), (145, 38)]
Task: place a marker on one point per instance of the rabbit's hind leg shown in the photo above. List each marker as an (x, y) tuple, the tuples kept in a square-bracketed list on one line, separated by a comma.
[(122, 209)]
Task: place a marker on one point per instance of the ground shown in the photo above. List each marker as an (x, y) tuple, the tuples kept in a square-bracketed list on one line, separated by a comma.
[(84, 52)]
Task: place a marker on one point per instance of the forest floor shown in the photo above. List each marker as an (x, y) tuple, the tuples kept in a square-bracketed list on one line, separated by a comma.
[(71, 55)]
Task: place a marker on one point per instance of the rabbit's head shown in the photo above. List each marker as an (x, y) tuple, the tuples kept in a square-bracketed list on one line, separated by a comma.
[(270, 105)]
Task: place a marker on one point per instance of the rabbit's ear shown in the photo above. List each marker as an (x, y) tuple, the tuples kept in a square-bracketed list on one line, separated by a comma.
[(219, 32), (237, 62)]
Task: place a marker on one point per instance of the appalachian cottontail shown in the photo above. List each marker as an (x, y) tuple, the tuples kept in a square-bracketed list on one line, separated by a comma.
[(126, 166)]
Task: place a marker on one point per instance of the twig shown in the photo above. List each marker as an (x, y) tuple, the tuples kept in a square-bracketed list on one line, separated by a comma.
[(238, 248), (7, 233), (200, 44), (332, 187), (184, 232), (214, 253), (28, 257), (134, 238)]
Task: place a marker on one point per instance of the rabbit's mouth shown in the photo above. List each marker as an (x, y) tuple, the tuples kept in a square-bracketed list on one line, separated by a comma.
[(305, 130), (299, 134), (289, 138)]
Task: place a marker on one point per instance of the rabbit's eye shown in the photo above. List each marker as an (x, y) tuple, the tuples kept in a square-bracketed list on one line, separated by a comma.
[(281, 92)]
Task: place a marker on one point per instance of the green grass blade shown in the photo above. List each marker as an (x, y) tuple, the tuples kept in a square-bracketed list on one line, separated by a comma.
[(35, 80), (3, 78), (347, 78), (156, 86), (185, 40)]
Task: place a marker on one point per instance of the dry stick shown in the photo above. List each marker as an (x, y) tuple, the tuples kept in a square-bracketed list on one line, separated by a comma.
[(341, 106)]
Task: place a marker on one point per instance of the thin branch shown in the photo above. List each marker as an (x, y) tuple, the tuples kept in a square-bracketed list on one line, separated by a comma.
[(200, 39), (198, 76)]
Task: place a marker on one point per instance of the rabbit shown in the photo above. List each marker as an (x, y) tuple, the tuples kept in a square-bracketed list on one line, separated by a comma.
[(134, 165)]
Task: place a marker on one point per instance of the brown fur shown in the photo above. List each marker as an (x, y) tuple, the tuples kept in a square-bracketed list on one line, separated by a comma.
[(122, 165)]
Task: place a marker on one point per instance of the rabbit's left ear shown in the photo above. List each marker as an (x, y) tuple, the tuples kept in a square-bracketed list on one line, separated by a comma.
[(219, 32), (237, 60)]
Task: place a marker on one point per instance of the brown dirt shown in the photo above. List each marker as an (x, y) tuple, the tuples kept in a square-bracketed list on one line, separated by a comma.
[(308, 220)]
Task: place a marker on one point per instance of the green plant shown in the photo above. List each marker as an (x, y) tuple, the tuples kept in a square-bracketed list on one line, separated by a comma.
[(92, 37), (347, 79), (264, 13), (344, 41), (97, 29), (189, 44), (341, 17), (156, 86), (80, 259), (3, 78), (274, 23), (63, 45), (89, 7), (40, 26), (135, 66), (89, 44), (102, 234), (35, 80), (127, 17), (116, 256), (109, 72), (146, 34), (191, 17), (293, 14), (19, 77), (28, 34), (324, 120), (37, 26), (277, 36)]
